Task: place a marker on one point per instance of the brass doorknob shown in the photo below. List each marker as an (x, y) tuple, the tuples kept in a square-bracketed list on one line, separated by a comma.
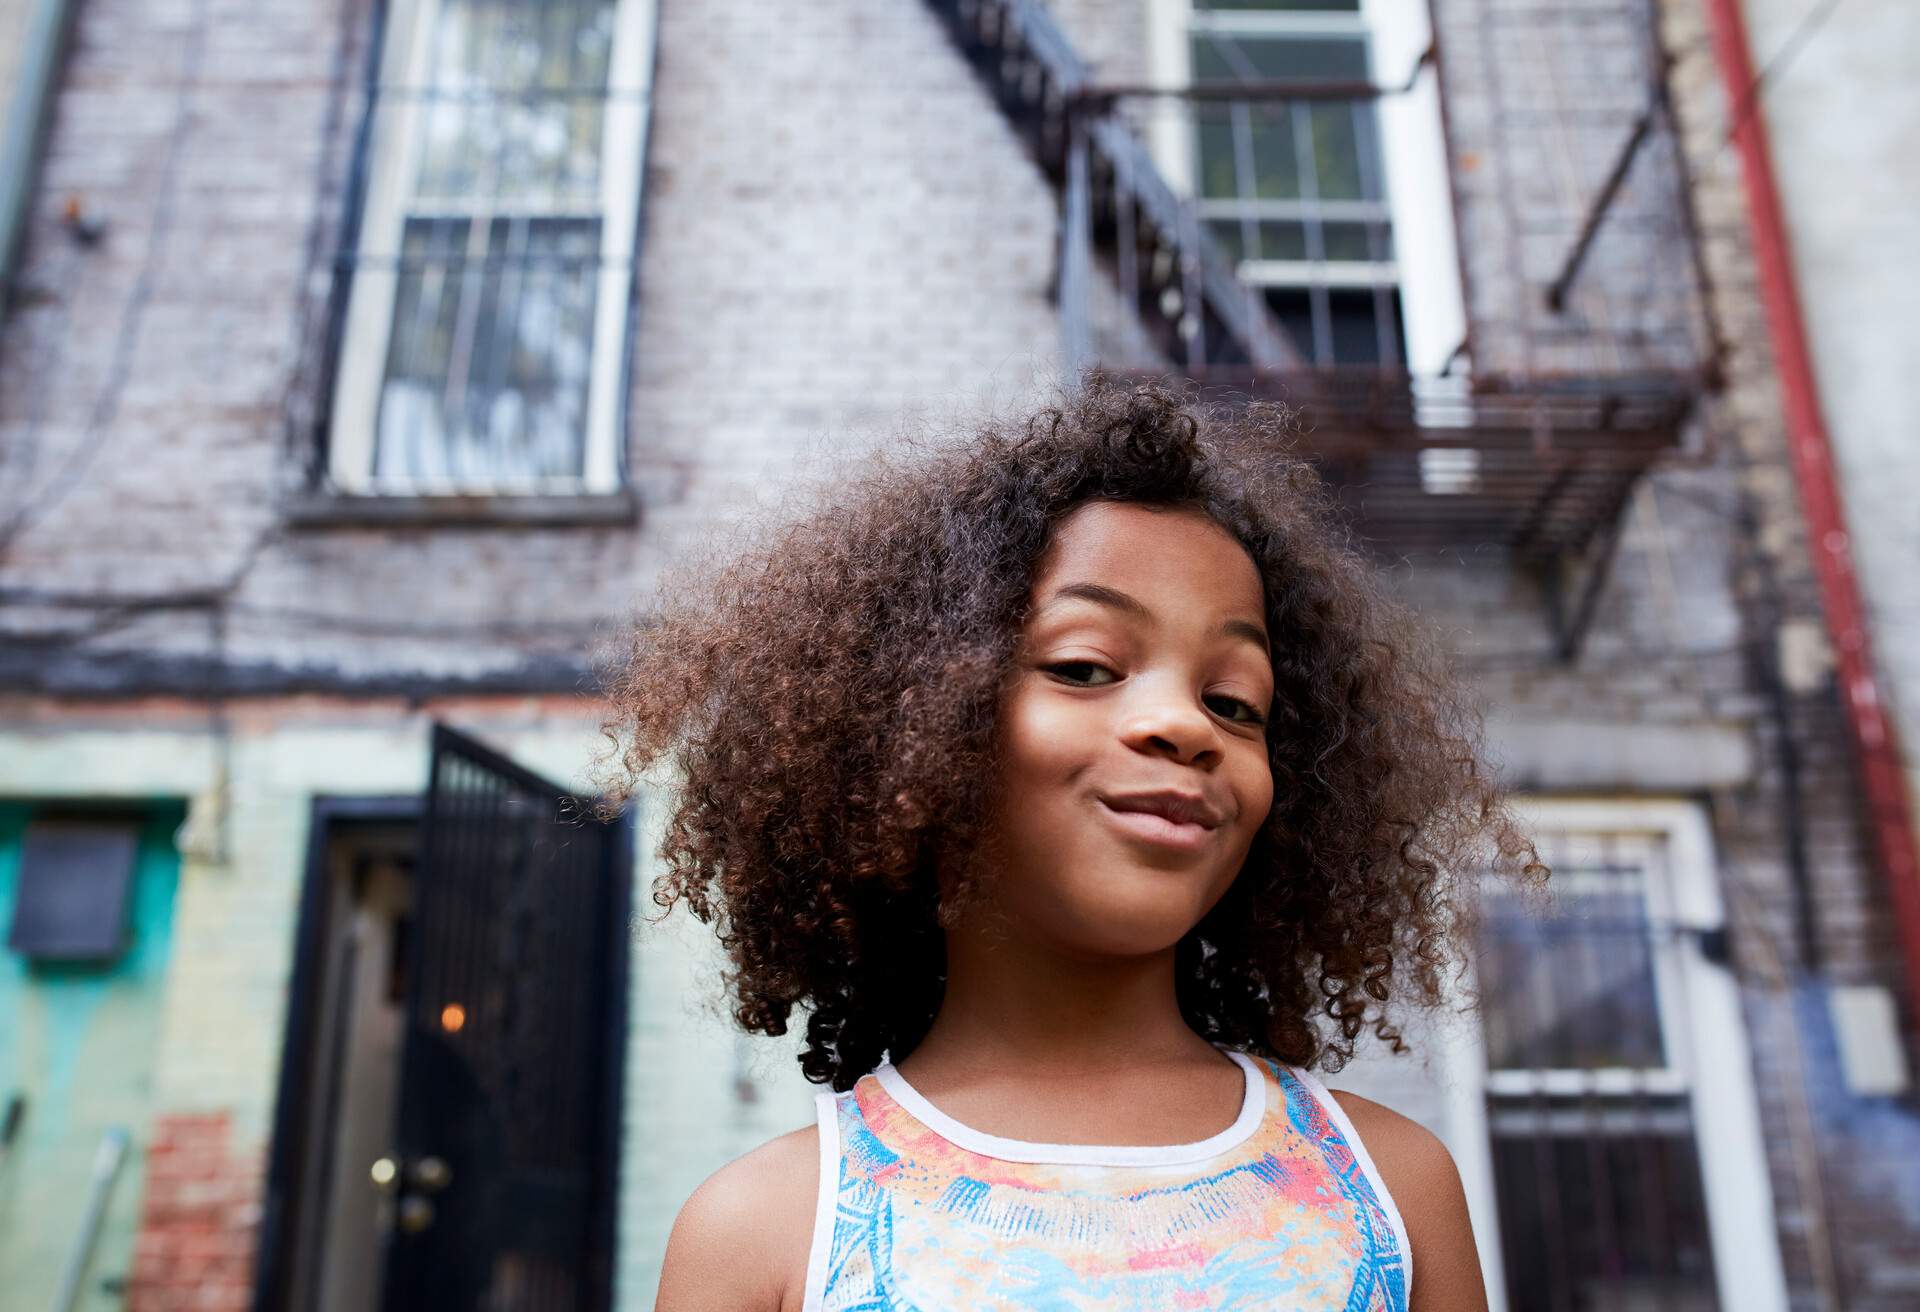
[(416, 1214), (431, 1174)]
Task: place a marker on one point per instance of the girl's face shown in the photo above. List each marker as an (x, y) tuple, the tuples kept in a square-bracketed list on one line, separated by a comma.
[(1133, 769)]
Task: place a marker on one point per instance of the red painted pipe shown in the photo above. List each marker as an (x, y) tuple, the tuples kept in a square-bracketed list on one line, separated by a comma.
[(1875, 742)]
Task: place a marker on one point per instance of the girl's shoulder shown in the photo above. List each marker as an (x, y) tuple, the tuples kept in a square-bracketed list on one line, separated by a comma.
[(1411, 1158), (1419, 1173), (742, 1238)]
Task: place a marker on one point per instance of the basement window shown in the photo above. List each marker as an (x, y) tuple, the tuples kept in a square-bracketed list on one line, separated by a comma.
[(75, 877)]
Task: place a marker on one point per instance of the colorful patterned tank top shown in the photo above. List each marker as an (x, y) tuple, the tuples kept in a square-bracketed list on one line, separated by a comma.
[(1282, 1209)]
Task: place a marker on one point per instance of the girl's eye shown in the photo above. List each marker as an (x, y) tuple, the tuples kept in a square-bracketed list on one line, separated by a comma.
[(1253, 715), (1088, 674), (1073, 671)]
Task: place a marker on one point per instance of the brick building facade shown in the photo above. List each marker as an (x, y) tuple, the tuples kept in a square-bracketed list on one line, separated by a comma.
[(841, 233)]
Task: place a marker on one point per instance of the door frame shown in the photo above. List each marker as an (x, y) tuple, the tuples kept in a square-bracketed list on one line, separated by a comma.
[(292, 1123), (1741, 1222), (329, 814)]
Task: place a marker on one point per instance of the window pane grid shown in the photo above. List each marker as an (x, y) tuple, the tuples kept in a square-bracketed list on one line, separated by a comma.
[(1604, 1215), (487, 367), (1293, 188), (1595, 1152), (471, 361), (515, 100)]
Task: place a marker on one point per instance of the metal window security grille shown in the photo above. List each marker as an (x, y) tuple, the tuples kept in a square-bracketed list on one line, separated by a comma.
[(484, 292), (1595, 1152), (505, 1143)]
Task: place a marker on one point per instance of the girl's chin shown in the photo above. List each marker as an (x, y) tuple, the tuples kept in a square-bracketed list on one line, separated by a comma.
[(1106, 900), (1142, 921)]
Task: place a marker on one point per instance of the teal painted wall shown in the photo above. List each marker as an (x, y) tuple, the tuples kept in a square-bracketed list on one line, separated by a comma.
[(79, 1042)]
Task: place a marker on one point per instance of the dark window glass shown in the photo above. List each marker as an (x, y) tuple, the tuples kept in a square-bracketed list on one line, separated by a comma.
[(1338, 170), (1280, 6), (1223, 57), (1219, 171), (1283, 240), (1274, 151), (1596, 1154), (1341, 325), (492, 346), (75, 876), (487, 248), (515, 106), (1574, 990), (1230, 235), (1357, 241)]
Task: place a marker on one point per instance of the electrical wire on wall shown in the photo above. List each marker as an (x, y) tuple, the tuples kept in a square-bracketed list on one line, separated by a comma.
[(99, 427), (1782, 59), (106, 612)]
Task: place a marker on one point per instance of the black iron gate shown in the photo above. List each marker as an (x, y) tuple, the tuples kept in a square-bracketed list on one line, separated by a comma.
[(500, 1191)]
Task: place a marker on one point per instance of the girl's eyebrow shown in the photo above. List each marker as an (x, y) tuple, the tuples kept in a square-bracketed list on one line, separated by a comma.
[(1102, 595)]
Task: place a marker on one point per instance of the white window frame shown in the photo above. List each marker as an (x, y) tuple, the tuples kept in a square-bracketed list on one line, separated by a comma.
[(393, 161), (1708, 1057), (1426, 264)]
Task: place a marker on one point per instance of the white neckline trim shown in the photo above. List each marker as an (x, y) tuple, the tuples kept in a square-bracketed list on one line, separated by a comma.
[(1253, 1108)]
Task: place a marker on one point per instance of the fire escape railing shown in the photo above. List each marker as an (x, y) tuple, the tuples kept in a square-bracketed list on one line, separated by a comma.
[(1186, 292), (1573, 391)]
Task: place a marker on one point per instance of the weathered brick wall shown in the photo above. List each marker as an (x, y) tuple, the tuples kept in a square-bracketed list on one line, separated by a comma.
[(1541, 96), (838, 227), (1847, 1190), (202, 1207), (1841, 117), (1711, 602)]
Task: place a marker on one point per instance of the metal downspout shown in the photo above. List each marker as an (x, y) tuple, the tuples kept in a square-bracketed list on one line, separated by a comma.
[(1874, 738)]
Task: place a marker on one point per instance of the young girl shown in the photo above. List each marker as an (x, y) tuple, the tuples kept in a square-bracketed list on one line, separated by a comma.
[(1082, 788)]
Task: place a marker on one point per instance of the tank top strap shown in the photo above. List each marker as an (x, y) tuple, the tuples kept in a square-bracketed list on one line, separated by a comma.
[(1341, 1143), (826, 1107)]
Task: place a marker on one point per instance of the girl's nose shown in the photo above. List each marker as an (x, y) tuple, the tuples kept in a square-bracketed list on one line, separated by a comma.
[(1166, 721)]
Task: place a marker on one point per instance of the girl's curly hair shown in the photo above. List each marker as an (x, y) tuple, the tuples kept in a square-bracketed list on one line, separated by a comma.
[(828, 701)]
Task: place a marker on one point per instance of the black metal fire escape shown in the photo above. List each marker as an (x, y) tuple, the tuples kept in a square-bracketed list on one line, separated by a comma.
[(1532, 452), (1186, 293)]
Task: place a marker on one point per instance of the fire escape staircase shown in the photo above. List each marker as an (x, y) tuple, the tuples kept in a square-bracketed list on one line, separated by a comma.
[(1542, 467), (1188, 297)]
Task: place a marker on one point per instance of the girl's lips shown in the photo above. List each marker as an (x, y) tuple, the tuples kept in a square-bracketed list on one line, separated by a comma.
[(1158, 830)]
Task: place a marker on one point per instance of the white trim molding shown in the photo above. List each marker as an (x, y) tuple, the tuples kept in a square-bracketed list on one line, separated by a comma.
[(1708, 1061), (1426, 266), (393, 163)]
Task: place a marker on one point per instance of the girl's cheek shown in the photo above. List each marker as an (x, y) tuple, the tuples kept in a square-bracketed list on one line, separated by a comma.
[(1050, 729)]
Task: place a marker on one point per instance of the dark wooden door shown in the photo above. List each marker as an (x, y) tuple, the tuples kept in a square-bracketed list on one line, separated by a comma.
[(501, 1183)]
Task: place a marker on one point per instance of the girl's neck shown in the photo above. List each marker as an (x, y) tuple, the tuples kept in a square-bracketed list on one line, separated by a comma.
[(1013, 1005)]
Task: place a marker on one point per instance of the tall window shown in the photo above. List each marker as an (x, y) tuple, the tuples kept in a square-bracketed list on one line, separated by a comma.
[(1294, 189), (1621, 1147), (1334, 205), (484, 341)]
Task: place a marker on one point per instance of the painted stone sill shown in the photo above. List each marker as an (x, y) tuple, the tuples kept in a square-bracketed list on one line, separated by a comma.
[(323, 510)]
